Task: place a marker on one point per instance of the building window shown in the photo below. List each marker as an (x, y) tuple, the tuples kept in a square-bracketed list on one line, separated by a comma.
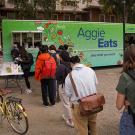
[(70, 3), (55, 17), (10, 1), (11, 15), (112, 18), (78, 18), (90, 15), (3, 14), (67, 17), (101, 18), (83, 1)]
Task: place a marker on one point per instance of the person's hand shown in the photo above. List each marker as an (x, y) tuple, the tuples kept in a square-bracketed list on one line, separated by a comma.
[(18, 59)]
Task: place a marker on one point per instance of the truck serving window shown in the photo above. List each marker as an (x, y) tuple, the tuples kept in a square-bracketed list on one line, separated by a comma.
[(27, 39)]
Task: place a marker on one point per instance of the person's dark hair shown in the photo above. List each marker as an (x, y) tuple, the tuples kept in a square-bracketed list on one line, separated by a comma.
[(129, 58), (64, 55), (22, 51), (38, 44), (52, 47), (66, 47), (131, 40), (75, 59), (44, 49), (61, 47)]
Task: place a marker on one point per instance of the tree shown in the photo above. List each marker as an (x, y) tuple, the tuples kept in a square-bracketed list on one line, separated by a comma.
[(47, 6), (116, 7), (28, 10), (25, 10)]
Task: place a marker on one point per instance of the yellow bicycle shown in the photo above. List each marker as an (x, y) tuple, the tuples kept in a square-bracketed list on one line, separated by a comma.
[(12, 109)]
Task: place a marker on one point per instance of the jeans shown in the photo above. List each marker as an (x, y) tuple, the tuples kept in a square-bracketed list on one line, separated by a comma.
[(126, 124), (48, 88)]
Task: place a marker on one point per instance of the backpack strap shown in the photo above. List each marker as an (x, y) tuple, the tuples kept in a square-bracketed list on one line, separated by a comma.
[(73, 84)]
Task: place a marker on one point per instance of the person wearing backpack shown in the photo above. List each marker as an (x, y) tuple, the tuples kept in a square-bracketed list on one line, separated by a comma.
[(52, 51), (45, 70), (126, 93), (26, 61), (85, 81), (62, 71)]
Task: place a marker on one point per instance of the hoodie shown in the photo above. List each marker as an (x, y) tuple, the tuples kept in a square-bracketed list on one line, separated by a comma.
[(62, 71), (40, 63)]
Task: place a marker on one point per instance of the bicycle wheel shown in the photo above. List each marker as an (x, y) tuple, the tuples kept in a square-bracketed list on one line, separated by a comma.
[(1, 109), (17, 118)]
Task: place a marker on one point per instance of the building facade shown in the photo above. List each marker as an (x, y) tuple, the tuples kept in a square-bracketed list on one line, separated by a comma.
[(69, 10)]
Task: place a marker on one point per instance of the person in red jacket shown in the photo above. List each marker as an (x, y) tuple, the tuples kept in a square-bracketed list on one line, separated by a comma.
[(48, 85)]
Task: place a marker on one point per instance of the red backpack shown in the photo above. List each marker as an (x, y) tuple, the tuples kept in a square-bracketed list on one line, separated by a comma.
[(49, 69)]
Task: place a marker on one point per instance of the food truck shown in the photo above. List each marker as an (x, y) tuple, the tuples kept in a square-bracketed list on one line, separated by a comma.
[(97, 44)]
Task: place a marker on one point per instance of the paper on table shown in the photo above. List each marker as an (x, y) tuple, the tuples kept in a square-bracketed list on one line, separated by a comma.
[(9, 68)]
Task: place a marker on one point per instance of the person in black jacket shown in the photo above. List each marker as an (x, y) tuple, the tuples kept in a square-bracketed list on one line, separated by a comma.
[(25, 61), (62, 71), (15, 52)]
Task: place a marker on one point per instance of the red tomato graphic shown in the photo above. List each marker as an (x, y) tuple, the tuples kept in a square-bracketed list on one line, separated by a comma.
[(46, 25), (59, 32)]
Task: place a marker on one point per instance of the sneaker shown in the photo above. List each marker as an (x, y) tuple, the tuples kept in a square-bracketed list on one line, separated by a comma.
[(68, 122), (28, 91), (64, 118), (46, 106)]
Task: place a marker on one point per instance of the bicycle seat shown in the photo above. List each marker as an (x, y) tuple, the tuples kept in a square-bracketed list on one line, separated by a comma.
[(4, 92)]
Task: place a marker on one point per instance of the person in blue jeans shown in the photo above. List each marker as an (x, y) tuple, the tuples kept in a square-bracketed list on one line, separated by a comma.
[(126, 93)]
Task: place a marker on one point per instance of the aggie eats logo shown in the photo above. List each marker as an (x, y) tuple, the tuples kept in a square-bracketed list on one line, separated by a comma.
[(98, 35)]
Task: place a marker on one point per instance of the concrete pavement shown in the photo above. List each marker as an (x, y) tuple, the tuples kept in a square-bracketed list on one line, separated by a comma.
[(48, 121)]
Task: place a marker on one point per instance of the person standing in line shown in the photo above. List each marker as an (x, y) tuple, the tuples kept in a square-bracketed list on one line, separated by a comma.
[(126, 93), (62, 71), (60, 48), (66, 47), (26, 61), (15, 52), (48, 85), (39, 52), (52, 51), (85, 81)]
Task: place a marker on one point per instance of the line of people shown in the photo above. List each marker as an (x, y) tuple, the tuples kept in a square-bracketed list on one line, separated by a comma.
[(86, 81)]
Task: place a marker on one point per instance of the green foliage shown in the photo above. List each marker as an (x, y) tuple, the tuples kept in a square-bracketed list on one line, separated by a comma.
[(48, 7), (116, 7), (28, 10)]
